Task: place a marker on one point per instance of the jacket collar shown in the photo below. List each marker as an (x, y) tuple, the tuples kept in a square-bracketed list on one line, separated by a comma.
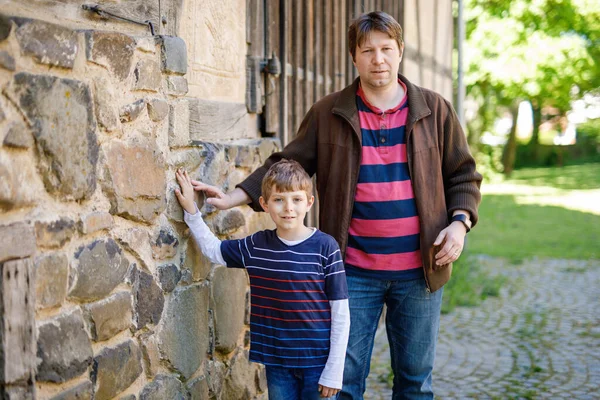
[(345, 105)]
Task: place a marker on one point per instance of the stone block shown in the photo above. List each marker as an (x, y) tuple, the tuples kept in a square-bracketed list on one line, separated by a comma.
[(104, 102), (16, 241), (109, 316), (26, 392), (164, 244), (2, 114), (54, 234), (17, 322), (168, 275), (131, 112), (212, 120), (229, 221), (150, 353), (177, 85), (134, 195), (137, 241), (63, 348), (148, 300), (198, 388), (158, 109), (7, 61), (179, 124), (146, 44), (51, 277), (96, 270), (164, 387), (173, 54), (183, 332), (228, 302), (96, 221), (147, 75), (240, 383), (15, 169), (216, 376), (112, 50), (196, 262), (48, 43), (18, 136), (82, 391), (5, 27), (116, 368), (215, 168), (61, 116), (186, 277)]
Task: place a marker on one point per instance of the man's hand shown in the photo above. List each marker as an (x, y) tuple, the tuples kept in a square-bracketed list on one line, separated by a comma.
[(327, 391), (219, 199), (185, 196), (454, 237)]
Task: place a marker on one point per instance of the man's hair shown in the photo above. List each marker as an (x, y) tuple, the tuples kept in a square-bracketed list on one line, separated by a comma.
[(287, 176), (362, 26)]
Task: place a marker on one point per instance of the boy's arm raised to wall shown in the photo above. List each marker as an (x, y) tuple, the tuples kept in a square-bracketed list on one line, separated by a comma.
[(208, 243)]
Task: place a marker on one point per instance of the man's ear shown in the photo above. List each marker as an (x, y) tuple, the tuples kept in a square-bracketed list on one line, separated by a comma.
[(401, 51), (263, 204)]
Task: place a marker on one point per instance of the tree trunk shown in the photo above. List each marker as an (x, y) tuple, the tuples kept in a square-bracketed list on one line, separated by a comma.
[(509, 154), (534, 143)]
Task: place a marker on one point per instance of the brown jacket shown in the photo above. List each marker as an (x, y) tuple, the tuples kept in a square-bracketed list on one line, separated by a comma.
[(441, 167)]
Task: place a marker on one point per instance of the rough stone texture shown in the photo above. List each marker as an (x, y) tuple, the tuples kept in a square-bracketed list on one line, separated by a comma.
[(147, 75), (97, 269), (7, 61), (109, 316), (146, 44), (179, 124), (16, 241), (2, 114), (173, 54), (96, 221), (16, 168), (198, 388), (186, 277), (216, 375), (135, 180), (137, 241), (227, 222), (212, 120), (229, 299), (54, 233), (63, 347), (104, 102), (51, 276), (151, 354), (131, 112), (18, 136), (5, 27), (168, 276), (158, 109), (196, 262), (17, 323), (183, 332), (164, 387), (148, 300), (82, 391), (164, 244), (17, 392), (48, 43), (111, 50), (177, 85), (115, 368), (60, 114), (240, 379)]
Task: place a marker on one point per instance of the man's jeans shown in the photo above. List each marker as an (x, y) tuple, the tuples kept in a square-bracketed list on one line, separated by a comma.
[(412, 323), (293, 383)]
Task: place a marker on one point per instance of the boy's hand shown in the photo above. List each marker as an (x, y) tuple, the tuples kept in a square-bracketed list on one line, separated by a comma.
[(327, 391), (216, 198), (185, 196)]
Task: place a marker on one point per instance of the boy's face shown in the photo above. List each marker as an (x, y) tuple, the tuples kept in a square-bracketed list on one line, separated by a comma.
[(287, 209)]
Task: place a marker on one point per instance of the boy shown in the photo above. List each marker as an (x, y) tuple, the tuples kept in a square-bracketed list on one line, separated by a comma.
[(300, 319)]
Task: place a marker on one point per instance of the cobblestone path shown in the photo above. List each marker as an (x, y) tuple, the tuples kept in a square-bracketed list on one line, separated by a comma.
[(539, 339)]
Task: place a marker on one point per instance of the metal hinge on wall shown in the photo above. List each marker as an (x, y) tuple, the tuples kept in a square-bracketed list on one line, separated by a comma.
[(107, 14)]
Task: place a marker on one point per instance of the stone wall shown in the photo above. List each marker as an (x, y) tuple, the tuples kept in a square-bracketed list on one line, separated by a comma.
[(103, 294)]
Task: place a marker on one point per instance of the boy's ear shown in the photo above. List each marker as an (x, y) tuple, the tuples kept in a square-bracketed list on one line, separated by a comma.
[(311, 201), (263, 203)]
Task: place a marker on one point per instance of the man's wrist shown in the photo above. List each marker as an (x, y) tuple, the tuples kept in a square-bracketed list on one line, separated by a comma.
[(463, 219)]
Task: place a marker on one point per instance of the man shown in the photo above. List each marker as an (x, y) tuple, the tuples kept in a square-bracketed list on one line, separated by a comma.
[(398, 190)]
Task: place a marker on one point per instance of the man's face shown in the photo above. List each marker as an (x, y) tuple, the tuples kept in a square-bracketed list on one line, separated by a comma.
[(378, 60)]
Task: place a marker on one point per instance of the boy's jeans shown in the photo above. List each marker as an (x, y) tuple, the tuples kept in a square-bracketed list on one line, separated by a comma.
[(412, 324), (293, 383)]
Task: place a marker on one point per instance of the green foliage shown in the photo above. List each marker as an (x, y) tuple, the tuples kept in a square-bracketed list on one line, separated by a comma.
[(588, 134), (489, 162)]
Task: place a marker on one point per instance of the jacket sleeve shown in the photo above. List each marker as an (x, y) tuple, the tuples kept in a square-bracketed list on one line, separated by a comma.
[(461, 180), (302, 149)]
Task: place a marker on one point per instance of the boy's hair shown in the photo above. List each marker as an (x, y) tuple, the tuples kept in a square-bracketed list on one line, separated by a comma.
[(362, 26), (287, 176)]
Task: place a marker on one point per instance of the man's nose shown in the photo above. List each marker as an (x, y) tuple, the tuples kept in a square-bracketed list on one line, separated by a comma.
[(377, 57)]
